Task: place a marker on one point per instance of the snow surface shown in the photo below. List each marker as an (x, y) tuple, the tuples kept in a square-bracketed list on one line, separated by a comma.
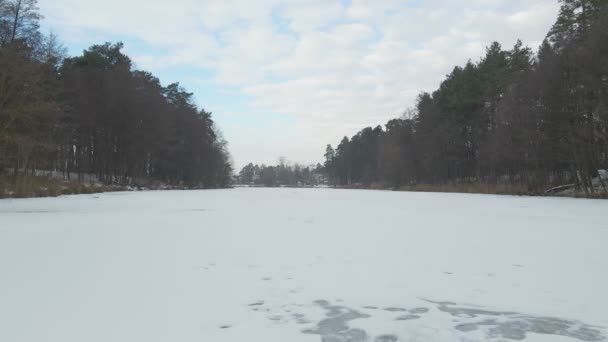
[(302, 265)]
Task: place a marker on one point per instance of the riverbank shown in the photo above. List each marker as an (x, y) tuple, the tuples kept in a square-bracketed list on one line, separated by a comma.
[(53, 186), (43, 186), (485, 189)]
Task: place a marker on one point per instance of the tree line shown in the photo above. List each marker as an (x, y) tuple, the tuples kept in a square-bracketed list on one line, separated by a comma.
[(95, 114), (282, 174), (515, 116)]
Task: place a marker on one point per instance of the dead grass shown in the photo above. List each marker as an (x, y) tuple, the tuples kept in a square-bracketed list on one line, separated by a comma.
[(467, 188), (33, 186), (472, 188), (595, 195)]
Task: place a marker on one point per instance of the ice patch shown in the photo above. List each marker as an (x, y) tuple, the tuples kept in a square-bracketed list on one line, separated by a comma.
[(516, 326)]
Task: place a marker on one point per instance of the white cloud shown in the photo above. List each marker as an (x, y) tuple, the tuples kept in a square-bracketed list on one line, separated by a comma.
[(307, 15), (332, 68)]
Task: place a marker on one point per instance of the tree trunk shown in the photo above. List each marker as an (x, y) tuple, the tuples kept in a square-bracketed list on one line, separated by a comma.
[(16, 20)]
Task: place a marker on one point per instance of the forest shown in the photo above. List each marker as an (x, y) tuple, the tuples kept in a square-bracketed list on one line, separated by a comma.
[(517, 120), (282, 174), (95, 116)]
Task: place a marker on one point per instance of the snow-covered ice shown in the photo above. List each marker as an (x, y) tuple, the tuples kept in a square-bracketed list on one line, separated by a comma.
[(302, 265)]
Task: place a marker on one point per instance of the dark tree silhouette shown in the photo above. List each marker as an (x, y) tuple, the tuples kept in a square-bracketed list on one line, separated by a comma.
[(511, 118), (94, 116)]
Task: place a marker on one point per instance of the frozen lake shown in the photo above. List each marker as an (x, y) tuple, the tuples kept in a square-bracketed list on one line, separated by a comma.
[(302, 265)]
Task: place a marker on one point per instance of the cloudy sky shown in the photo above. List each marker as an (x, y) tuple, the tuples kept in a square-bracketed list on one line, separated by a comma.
[(284, 78)]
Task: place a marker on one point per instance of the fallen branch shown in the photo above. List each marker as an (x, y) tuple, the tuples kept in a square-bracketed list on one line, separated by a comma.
[(559, 188)]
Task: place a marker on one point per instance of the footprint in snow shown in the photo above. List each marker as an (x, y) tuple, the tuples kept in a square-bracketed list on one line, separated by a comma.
[(275, 318), (386, 338), (419, 311)]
